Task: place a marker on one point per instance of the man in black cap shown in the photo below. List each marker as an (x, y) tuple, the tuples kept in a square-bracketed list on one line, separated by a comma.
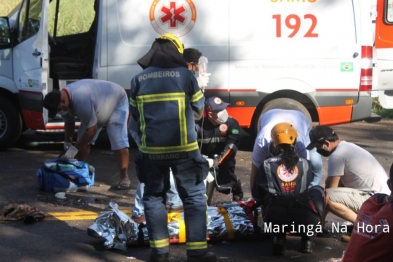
[(351, 166), (192, 55), (219, 134)]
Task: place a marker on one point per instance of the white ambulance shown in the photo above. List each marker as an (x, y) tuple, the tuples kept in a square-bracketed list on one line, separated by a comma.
[(323, 57)]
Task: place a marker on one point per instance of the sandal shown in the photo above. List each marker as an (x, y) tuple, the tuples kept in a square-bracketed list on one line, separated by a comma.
[(123, 185)]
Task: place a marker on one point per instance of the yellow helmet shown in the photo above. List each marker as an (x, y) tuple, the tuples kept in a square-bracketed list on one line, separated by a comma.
[(283, 133), (176, 41)]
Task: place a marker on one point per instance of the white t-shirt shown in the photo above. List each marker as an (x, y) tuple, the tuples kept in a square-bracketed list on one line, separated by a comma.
[(357, 168), (95, 101), (271, 118)]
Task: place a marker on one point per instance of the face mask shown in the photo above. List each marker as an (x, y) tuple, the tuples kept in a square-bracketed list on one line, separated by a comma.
[(323, 152), (222, 117)]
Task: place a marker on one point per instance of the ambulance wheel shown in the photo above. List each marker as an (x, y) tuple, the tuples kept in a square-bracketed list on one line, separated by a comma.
[(10, 123), (283, 103)]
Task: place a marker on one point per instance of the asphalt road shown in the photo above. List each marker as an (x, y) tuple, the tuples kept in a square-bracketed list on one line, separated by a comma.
[(62, 235)]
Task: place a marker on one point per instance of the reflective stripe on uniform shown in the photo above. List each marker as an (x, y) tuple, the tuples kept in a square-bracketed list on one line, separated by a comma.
[(132, 102), (180, 98), (303, 185), (196, 245), (159, 243), (214, 139), (269, 178), (195, 97), (169, 149)]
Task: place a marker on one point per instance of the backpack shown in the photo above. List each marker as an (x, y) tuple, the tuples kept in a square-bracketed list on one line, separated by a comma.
[(65, 175)]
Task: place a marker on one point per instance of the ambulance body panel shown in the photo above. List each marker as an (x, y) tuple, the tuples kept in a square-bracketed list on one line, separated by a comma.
[(325, 58)]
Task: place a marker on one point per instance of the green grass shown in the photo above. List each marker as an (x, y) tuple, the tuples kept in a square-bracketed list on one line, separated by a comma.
[(7, 5), (76, 15), (379, 110)]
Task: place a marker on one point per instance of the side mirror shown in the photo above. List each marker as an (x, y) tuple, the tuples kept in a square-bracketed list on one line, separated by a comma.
[(5, 37)]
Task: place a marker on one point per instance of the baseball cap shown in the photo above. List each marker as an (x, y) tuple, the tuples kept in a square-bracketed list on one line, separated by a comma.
[(318, 134), (215, 104), (51, 102)]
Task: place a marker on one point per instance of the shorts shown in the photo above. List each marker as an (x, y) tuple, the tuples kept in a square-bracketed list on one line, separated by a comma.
[(116, 128), (350, 197)]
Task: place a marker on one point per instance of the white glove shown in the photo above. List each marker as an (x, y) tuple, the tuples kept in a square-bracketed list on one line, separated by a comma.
[(71, 152), (67, 145), (203, 80), (211, 162)]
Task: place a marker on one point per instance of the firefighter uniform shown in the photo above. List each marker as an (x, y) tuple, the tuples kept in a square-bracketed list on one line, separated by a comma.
[(163, 100), (221, 140)]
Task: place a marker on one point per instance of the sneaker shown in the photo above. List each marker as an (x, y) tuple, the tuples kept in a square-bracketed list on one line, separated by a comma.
[(208, 257), (139, 219), (176, 209), (278, 245), (306, 246), (237, 191), (159, 257)]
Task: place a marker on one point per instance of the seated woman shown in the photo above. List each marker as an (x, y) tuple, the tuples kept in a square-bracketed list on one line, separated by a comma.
[(281, 185)]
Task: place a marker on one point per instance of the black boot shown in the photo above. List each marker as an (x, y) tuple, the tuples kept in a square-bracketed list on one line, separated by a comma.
[(306, 245), (278, 245), (159, 257), (208, 257)]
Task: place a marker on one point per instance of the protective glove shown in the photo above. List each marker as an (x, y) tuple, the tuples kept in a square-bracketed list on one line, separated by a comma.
[(203, 80), (211, 162), (71, 152), (67, 145)]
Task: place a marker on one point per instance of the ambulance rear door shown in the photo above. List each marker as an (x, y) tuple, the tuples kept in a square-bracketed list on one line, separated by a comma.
[(384, 51)]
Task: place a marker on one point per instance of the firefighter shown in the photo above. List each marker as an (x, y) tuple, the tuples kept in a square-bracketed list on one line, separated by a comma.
[(219, 134), (281, 184), (165, 101)]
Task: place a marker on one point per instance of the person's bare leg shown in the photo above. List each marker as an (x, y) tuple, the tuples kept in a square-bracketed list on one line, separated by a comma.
[(122, 159), (83, 153), (340, 210)]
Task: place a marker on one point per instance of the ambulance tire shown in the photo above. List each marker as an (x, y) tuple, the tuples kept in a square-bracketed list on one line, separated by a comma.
[(10, 123), (283, 103)]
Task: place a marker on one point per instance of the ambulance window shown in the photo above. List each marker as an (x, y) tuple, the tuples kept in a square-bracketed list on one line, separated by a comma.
[(73, 17), (389, 12), (29, 19)]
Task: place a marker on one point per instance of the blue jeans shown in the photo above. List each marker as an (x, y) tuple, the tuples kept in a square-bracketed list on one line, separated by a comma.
[(316, 167), (172, 197), (316, 163)]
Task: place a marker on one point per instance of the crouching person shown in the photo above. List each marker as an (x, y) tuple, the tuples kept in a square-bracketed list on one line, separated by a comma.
[(281, 185)]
